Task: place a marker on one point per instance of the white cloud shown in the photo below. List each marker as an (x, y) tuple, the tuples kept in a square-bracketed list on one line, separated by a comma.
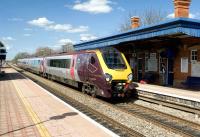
[(65, 41), (93, 6), (68, 6), (27, 35), (8, 38), (87, 37), (41, 22), (15, 19), (62, 42), (193, 16), (171, 15), (67, 28), (50, 25), (77, 1), (79, 29), (60, 27), (8, 47), (121, 9)]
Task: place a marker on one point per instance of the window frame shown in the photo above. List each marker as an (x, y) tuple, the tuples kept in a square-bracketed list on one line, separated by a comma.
[(193, 55), (60, 63)]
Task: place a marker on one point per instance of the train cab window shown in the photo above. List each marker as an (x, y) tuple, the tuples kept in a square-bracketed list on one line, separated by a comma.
[(113, 58), (92, 60)]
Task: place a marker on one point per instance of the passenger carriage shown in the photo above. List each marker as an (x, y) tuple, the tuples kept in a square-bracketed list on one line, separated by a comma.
[(104, 72)]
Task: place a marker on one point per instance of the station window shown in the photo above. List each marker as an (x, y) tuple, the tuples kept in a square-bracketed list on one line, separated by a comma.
[(194, 55)]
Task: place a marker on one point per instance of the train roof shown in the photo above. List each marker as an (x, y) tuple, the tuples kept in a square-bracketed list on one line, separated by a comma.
[(63, 54), (72, 53)]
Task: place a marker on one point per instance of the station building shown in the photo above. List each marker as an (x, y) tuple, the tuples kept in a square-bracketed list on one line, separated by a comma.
[(166, 53)]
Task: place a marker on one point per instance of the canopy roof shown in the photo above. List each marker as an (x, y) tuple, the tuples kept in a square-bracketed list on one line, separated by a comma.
[(178, 26)]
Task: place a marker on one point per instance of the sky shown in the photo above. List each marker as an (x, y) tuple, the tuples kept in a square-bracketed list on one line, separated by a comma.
[(26, 25)]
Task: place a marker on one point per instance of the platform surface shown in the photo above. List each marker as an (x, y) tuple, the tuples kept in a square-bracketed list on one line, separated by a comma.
[(27, 110), (174, 92)]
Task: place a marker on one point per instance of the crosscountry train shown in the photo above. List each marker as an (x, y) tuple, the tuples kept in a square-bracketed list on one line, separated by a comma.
[(103, 72)]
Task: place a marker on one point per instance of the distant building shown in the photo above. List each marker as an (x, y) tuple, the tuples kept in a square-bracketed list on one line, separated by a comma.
[(165, 53)]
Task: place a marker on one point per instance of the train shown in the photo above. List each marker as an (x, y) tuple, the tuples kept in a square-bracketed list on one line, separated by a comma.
[(101, 72)]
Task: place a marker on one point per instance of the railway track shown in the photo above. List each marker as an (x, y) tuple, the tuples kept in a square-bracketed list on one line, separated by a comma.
[(174, 105), (169, 122), (116, 127)]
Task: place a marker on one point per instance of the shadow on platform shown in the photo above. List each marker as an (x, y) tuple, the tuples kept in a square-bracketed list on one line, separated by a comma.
[(63, 115), (51, 118), (11, 76)]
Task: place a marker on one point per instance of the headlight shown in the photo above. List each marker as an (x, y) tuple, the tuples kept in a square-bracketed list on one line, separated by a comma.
[(130, 77), (108, 77)]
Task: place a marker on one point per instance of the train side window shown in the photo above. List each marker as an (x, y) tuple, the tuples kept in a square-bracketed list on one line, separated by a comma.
[(92, 60), (60, 63)]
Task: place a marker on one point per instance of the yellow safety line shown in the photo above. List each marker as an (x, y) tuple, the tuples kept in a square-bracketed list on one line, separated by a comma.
[(41, 128)]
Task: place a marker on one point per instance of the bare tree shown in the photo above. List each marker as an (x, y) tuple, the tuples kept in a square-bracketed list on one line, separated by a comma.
[(152, 16), (68, 47), (148, 17), (20, 55), (43, 51)]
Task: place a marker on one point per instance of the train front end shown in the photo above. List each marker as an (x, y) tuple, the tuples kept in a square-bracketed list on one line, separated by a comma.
[(117, 72)]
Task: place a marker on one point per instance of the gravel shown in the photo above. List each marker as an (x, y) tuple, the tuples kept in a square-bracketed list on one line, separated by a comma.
[(139, 125), (182, 114)]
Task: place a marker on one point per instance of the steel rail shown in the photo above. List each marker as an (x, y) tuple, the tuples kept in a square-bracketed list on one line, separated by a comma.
[(167, 121)]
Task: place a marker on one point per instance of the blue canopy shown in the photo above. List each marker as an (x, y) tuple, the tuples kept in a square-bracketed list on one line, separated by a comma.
[(185, 26)]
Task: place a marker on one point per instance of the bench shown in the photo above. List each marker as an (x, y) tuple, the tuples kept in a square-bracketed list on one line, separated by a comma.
[(192, 82)]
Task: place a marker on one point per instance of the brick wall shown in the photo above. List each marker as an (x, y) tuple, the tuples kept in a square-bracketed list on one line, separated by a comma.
[(178, 75)]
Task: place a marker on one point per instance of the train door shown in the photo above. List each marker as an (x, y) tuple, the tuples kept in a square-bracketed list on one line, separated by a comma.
[(94, 69), (41, 70), (45, 64), (72, 69), (81, 67)]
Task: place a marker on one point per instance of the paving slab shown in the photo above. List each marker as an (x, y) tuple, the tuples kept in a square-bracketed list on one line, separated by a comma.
[(32, 107)]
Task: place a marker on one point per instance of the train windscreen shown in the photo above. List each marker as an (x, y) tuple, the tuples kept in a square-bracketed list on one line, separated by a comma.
[(113, 58)]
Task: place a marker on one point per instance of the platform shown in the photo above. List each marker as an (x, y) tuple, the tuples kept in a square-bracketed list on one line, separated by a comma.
[(27, 110), (180, 96)]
